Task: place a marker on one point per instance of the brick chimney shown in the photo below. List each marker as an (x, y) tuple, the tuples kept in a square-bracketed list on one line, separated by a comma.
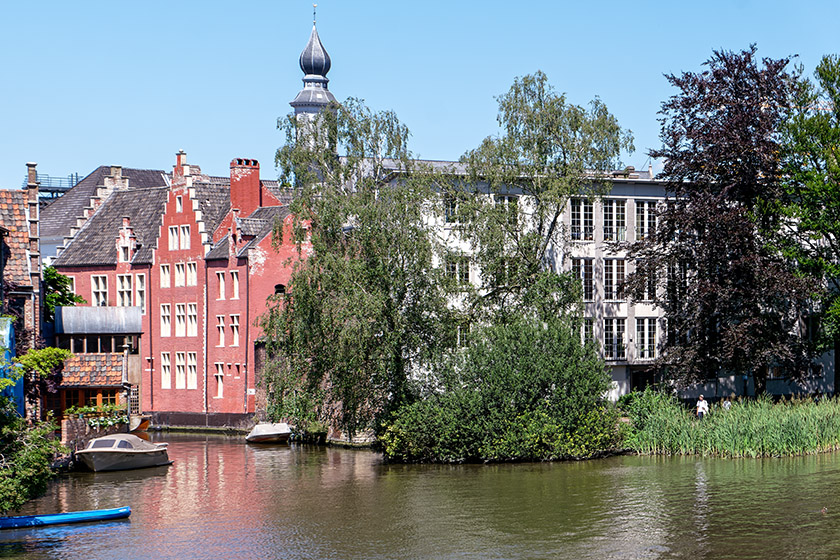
[(181, 173), (245, 191)]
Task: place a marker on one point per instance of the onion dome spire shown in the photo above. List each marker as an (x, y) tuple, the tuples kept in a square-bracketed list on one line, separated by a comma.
[(315, 63)]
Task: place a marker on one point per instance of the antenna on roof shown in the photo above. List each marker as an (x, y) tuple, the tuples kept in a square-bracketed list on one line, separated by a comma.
[(313, 13)]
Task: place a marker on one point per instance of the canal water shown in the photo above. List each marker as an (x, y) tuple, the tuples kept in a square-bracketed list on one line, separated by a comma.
[(224, 499)]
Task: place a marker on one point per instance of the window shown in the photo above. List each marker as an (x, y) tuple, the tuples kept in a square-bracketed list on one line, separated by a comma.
[(582, 228), (165, 320), (220, 326), (588, 330), (192, 319), (220, 380), (646, 338), (458, 268), (645, 218), (450, 209), (615, 228), (140, 292), (613, 279), (234, 284), (220, 276), (463, 333), (185, 237), (614, 339), (647, 270), (123, 290), (165, 371), (180, 275), (173, 238), (192, 274), (180, 319), (508, 205), (164, 276), (234, 330), (582, 268), (123, 255), (180, 370), (192, 370), (179, 204), (99, 291)]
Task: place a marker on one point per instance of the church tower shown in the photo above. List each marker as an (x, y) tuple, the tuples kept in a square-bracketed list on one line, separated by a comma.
[(315, 95)]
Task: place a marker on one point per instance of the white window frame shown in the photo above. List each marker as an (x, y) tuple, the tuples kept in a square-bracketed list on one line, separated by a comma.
[(584, 268), (645, 218), (124, 290), (646, 338), (192, 273), (180, 370), (192, 370), (615, 219), (220, 380), (99, 290), (140, 292), (234, 330), (179, 204), (165, 278), (220, 278), (165, 319), (165, 371), (185, 237), (582, 219), (180, 275), (614, 275), (173, 238), (234, 284), (192, 319), (615, 343), (180, 319), (220, 327)]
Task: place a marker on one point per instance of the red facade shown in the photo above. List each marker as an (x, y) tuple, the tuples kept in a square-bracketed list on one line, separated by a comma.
[(203, 286)]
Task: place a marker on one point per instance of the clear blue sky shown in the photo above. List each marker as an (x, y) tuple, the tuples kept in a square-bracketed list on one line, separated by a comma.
[(130, 83)]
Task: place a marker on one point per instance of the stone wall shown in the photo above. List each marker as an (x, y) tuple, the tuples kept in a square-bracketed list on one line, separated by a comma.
[(76, 433)]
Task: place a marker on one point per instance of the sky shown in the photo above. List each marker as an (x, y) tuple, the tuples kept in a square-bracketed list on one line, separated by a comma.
[(90, 83)]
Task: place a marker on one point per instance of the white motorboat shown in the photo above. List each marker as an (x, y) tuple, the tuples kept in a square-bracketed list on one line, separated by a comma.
[(118, 452), (267, 432)]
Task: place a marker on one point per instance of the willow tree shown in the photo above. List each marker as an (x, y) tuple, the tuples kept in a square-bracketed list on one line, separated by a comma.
[(518, 185), (365, 310)]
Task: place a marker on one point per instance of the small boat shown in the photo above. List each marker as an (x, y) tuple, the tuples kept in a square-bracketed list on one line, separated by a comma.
[(69, 517), (118, 452), (267, 432)]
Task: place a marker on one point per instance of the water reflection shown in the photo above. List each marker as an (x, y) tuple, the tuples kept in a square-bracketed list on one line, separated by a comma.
[(224, 499)]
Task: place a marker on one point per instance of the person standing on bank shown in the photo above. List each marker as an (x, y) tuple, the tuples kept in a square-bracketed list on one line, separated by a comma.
[(702, 407)]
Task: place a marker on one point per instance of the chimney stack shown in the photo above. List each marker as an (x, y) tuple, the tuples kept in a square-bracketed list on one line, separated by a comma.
[(245, 191)]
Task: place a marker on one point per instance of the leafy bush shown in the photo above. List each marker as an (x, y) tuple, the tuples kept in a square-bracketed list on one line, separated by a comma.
[(26, 453), (522, 391)]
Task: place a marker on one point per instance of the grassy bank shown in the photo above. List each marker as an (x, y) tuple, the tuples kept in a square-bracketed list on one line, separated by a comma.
[(756, 428)]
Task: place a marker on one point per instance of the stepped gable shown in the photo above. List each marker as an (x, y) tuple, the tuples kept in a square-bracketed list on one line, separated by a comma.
[(15, 244), (257, 226), (95, 244), (59, 215)]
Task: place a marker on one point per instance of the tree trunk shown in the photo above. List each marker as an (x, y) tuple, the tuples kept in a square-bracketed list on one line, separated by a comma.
[(760, 380)]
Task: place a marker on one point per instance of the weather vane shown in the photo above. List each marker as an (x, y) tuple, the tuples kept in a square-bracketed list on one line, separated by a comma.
[(313, 13)]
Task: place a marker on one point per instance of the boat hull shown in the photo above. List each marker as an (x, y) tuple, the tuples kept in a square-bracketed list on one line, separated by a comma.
[(68, 517), (269, 433), (107, 460)]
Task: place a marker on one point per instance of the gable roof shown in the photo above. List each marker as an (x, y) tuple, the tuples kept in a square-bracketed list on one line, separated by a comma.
[(259, 225), (95, 244), (214, 203), (59, 215), (15, 244)]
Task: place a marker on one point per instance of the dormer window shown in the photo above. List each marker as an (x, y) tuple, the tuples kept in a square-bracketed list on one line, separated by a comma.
[(124, 257)]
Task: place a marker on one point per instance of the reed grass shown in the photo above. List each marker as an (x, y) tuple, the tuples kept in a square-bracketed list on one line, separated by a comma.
[(660, 424)]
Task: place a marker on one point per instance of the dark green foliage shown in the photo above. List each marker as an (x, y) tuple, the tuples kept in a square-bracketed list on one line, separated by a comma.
[(57, 293), (26, 453), (525, 390)]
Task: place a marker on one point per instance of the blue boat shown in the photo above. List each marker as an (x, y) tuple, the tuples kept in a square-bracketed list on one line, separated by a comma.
[(70, 517)]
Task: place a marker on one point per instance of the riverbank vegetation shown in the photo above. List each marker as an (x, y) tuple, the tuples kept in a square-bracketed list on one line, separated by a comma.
[(661, 425)]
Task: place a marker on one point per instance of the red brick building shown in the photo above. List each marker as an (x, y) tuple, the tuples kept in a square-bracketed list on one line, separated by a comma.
[(195, 257)]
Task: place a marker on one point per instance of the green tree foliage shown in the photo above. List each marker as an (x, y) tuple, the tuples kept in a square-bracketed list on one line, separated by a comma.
[(812, 208), (525, 390), (57, 292), (548, 150), (42, 368), (731, 298), (26, 453), (366, 306)]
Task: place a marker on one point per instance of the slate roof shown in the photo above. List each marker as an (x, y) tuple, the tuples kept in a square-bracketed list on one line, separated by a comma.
[(95, 244), (13, 205), (259, 225), (214, 203), (93, 370), (60, 215)]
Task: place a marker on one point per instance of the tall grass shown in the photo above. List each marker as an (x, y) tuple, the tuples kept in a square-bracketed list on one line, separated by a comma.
[(659, 424)]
